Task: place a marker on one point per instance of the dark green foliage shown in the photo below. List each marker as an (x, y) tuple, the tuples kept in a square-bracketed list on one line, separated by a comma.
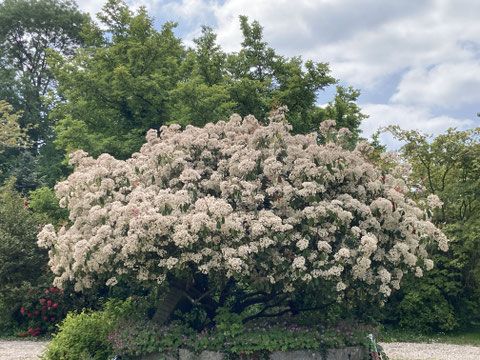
[(422, 307), (447, 296), (20, 257), (22, 264), (134, 78), (28, 29), (118, 88)]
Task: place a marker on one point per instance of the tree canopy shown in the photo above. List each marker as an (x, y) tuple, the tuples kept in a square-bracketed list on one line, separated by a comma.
[(133, 78), (29, 31), (447, 165), (241, 211)]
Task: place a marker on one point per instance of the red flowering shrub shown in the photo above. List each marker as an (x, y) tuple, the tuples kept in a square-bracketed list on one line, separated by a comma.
[(40, 311)]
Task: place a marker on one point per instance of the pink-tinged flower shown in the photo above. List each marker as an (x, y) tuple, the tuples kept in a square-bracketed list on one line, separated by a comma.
[(55, 305), (134, 297), (22, 310), (23, 334), (30, 330), (30, 291), (49, 303), (29, 315), (45, 318), (42, 301), (53, 289), (37, 312), (52, 319), (47, 291)]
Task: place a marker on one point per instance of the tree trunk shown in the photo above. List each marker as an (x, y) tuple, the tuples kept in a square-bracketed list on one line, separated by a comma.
[(169, 303)]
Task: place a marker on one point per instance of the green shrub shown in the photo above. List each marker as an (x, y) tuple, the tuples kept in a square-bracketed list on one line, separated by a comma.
[(422, 308), (81, 336), (84, 335), (23, 265)]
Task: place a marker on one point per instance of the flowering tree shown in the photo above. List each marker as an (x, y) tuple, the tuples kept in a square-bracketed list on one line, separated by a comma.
[(242, 213)]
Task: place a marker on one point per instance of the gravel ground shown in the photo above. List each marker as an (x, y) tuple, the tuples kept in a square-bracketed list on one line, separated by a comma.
[(29, 350), (21, 350), (437, 351)]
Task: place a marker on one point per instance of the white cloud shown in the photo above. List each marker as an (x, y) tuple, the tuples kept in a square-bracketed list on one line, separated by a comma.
[(446, 85), (364, 42), (90, 6), (189, 10), (408, 118), (95, 6)]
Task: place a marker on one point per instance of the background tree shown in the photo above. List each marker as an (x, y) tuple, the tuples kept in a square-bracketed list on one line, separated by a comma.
[(134, 78), (11, 134), (203, 95), (112, 92), (261, 80), (29, 29), (446, 165)]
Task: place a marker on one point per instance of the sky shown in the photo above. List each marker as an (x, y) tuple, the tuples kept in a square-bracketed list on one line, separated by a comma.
[(416, 63)]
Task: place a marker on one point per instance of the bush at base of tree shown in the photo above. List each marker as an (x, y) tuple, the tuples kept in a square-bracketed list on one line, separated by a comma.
[(84, 335)]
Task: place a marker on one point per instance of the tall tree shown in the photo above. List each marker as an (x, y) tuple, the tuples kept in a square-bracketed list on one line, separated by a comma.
[(260, 79), (113, 92), (29, 30), (132, 78), (203, 94)]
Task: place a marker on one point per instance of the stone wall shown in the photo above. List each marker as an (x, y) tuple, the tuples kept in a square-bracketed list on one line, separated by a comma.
[(348, 353)]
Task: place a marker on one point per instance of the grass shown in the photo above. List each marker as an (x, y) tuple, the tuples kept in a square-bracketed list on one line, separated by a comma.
[(466, 336)]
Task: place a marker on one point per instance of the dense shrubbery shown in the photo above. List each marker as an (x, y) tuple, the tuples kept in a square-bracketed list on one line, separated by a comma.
[(84, 335), (447, 297), (123, 328), (23, 265)]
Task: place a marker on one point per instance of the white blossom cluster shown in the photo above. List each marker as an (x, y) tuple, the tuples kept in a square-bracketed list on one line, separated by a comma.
[(239, 198)]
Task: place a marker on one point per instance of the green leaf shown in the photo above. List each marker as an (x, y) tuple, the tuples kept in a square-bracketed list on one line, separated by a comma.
[(330, 170)]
